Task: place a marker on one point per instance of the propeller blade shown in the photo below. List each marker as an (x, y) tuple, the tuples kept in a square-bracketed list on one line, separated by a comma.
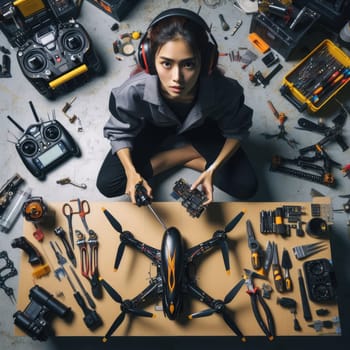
[(114, 326), (232, 293), (113, 221), (141, 313), (119, 255), (231, 225), (224, 251), (111, 291), (229, 321), (203, 313)]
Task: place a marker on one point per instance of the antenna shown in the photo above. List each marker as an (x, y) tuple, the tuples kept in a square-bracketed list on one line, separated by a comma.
[(15, 123), (34, 111)]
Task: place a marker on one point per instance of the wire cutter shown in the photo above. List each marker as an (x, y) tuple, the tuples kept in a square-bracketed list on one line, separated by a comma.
[(255, 298), (83, 210), (67, 211)]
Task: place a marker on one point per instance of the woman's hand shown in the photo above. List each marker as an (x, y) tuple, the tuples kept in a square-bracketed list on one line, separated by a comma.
[(206, 182), (134, 180)]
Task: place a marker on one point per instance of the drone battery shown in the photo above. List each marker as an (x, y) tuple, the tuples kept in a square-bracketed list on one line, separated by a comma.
[(117, 9)]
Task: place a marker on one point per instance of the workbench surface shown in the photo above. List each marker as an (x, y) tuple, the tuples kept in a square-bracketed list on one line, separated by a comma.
[(136, 270)]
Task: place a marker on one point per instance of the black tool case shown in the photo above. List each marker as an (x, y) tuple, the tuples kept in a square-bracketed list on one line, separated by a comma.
[(277, 33), (117, 9), (333, 13), (19, 26)]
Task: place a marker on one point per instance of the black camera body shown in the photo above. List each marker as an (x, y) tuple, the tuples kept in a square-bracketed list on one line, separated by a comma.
[(320, 280), (35, 319), (45, 145), (55, 53)]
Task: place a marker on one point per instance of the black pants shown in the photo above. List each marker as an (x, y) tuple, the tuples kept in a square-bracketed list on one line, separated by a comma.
[(236, 176)]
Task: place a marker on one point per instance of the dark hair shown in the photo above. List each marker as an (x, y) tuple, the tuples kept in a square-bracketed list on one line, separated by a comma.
[(180, 27)]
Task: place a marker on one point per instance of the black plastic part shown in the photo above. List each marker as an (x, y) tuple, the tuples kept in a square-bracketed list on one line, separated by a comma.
[(35, 319)]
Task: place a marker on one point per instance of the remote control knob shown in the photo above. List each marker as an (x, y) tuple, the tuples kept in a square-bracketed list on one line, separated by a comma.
[(35, 62), (73, 41), (29, 147), (52, 133)]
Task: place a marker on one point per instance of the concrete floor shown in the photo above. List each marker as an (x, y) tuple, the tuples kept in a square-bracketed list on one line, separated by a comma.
[(91, 106)]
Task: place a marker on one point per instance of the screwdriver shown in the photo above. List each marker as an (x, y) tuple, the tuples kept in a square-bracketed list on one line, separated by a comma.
[(276, 270), (287, 265), (253, 244), (142, 199), (87, 295), (91, 318)]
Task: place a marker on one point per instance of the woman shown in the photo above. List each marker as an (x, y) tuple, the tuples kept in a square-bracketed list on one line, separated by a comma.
[(180, 110)]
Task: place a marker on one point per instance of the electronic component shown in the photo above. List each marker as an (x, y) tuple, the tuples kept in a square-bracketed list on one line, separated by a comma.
[(320, 280), (192, 200), (44, 145)]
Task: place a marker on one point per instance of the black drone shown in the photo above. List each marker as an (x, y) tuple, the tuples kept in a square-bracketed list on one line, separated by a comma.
[(173, 279)]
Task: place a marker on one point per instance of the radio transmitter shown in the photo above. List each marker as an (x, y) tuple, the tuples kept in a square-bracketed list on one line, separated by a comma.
[(44, 145)]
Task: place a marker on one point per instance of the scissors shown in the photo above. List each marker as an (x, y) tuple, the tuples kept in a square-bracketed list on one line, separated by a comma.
[(83, 210), (67, 211)]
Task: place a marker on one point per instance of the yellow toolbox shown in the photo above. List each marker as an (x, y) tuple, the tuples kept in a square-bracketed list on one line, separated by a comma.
[(317, 78)]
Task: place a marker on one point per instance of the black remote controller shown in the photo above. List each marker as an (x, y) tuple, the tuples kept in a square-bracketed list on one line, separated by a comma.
[(44, 145)]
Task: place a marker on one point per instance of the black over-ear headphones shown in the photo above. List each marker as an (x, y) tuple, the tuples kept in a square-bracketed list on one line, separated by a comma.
[(144, 50)]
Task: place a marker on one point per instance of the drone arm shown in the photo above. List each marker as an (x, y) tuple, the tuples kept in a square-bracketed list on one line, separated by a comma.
[(153, 288), (201, 248), (150, 252)]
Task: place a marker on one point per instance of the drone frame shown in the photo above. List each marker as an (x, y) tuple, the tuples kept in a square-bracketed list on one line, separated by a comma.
[(173, 279)]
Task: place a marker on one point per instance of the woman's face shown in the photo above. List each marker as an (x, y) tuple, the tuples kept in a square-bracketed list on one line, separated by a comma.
[(178, 69)]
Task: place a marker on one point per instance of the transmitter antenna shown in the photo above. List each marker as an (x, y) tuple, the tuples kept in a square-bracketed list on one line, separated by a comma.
[(15, 123), (34, 111)]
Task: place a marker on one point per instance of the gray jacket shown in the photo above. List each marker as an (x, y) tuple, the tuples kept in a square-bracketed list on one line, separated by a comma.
[(138, 100)]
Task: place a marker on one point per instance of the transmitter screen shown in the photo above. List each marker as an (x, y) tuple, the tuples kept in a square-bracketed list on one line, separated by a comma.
[(51, 155)]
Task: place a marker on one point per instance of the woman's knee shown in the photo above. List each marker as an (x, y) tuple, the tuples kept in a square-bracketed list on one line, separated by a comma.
[(110, 187)]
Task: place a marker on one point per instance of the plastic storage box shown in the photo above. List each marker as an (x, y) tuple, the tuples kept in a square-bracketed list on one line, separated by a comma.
[(317, 78)]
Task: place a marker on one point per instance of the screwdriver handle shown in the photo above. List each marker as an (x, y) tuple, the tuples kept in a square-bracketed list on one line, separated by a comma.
[(288, 283), (81, 302), (278, 278), (256, 260)]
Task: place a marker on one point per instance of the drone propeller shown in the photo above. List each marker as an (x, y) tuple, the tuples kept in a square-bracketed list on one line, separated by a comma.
[(232, 224), (223, 244), (112, 220), (233, 292), (126, 307), (118, 227), (119, 255), (219, 307), (224, 251), (111, 291)]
